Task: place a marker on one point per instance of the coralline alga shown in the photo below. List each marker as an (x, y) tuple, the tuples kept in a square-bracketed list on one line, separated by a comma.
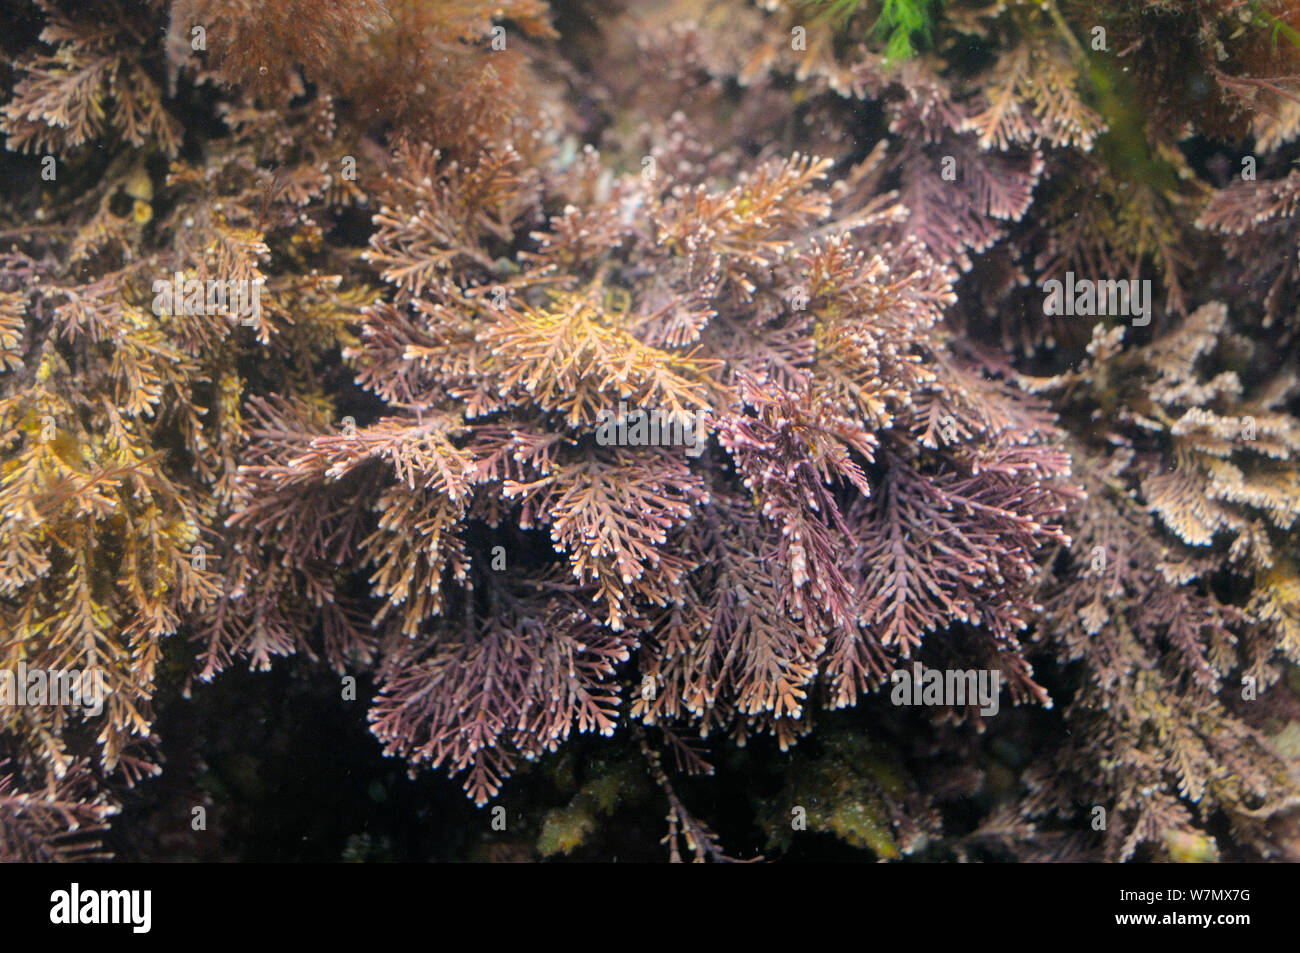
[(680, 408)]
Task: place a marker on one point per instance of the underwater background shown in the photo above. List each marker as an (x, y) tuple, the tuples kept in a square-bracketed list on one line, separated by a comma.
[(840, 430)]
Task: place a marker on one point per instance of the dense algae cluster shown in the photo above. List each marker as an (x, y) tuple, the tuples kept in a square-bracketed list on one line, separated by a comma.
[(704, 429)]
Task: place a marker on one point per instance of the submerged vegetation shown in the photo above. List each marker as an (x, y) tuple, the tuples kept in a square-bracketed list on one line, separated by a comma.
[(312, 314), (901, 25)]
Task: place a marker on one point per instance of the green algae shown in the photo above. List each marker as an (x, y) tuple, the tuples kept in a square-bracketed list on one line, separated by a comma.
[(851, 791), (610, 786)]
